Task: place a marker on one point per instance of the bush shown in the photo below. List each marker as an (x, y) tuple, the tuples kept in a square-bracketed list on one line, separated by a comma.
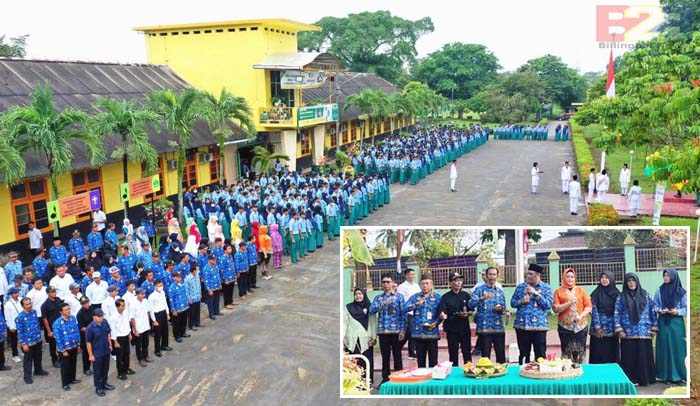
[(601, 214), (647, 402), (584, 157), (544, 121)]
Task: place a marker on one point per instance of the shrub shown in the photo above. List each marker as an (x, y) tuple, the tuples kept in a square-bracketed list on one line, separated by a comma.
[(647, 402), (601, 214), (584, 157)]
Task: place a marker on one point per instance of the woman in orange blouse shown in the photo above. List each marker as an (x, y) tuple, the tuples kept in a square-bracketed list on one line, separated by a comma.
[(573, 305)]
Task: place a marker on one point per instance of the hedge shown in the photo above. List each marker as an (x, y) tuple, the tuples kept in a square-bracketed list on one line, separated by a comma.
[(584, 157), (601, 214)]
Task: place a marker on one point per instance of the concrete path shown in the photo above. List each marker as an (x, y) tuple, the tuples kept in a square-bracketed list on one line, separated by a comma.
[(493, 189)]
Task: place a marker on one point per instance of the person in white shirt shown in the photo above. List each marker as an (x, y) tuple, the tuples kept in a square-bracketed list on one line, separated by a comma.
[(139, 313), (62, 281), (565, 177), (36, 240), (535, 173), (4, 286), (602, 184), (453, 175), (407, 289), (634, 197), (12, 309), (159, 304), (130, 293), (574, 195), (624, 180), (108, 306), (38, 295), (120, 325), (74, 299), (96, 291), (591, 186), (100, 218)]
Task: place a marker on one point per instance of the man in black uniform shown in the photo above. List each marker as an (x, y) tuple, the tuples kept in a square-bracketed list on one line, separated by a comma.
[(84, 319), (454, 310), (50, 312)]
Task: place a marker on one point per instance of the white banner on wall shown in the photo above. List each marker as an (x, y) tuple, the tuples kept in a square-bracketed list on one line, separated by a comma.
[(301, 79)]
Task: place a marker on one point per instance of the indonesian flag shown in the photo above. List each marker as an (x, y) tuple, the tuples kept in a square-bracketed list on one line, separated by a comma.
[(610, 84), (399, 246), (526, 246)]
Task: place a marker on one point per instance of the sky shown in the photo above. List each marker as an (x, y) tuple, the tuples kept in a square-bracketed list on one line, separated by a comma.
[(515, 31)]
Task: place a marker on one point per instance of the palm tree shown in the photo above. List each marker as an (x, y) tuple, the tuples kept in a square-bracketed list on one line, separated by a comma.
[(264, 158), (380, 108), (229, 107), (389, 238), (12, 166), (51, 135), (179, 112), (124, 119), (364, 102)]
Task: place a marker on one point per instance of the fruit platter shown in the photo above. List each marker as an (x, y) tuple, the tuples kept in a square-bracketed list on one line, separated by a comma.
[(484, 369), (551, 369), (411, 375)]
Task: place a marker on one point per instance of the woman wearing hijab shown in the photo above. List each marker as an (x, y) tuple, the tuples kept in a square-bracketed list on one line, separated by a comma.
[(671, 303), (174, 228), (213, 229), (635, 324), (277, 246), (310, 232), (74, 268), (236, 232), (360, 330), (94, 260), (193, 238), (224, 219), (318, 220), (265, 252), (605, 344), (573, 305)]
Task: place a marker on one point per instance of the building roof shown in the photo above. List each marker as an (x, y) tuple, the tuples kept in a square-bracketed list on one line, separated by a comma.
[(300, 61), (349, 83), (81, 84), (561, 243), (281, 23)]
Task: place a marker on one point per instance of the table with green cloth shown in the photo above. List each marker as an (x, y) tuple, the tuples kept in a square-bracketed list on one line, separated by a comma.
[(600, 379)]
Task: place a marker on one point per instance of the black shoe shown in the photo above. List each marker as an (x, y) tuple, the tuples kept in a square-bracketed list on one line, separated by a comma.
[(5, 368), (212, 317), (166, 348), (255, 287), (177, 339), (158, 354), (28, 381), (66, 387), (75, 381), (41, 373), (186, 335), (130, 371), (219, 314), (88, 372), (57, 364), (100, 392), (122, 377), (108, 386)]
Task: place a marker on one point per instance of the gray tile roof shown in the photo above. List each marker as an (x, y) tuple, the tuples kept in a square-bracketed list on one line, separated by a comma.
[(350, 83), (80, 84)]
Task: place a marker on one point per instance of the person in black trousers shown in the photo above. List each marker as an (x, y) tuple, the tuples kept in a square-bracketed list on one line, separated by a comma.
[(50, 312), (29, 332), (84, 319), (68, 333), (391, 325), (99, 346), (159, 304), (454, 311), (121, 332)]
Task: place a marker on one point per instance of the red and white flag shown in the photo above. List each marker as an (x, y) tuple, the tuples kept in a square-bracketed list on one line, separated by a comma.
[(526, 245), (610, 84)]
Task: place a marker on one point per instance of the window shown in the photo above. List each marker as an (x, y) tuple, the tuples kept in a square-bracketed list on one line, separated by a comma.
[(276, 91), (344, 133), (159, 170), (331, 133), (305, 143), (214, 164), (29, 204), (353, 132), (84, 181), (189, 175), (387, 125)]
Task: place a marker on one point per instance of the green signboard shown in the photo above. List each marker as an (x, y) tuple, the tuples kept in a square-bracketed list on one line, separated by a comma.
[(317, 114)]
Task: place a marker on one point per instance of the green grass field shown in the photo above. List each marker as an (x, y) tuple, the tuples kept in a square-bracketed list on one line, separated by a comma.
[(672, 221)]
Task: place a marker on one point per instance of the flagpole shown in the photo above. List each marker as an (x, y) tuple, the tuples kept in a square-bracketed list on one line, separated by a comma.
[(609, 90)]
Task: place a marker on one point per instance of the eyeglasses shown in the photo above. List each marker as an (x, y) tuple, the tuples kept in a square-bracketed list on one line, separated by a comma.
[(386, 281)]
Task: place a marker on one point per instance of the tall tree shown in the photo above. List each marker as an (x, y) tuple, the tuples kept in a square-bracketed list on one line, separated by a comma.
[(124, 119), (15, 48), (364, 102), (380, 109), (562, 84), (263, 159), (224, 108), (179, 112), (458, 70), (514, 98), (375, 42), (52, 135), (682, 17)]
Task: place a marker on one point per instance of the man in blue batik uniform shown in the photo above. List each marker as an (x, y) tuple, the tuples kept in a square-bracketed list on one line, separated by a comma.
[(490, 303), (391, 326), (426, 319), (67, 334), (533, 299)]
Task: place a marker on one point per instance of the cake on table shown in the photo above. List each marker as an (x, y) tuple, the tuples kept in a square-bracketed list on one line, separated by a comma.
[(551, 369), (484, 368)]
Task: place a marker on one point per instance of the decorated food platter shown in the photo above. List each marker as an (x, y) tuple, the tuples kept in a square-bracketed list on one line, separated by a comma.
[(551, 369), (411, 375), (484, 369)]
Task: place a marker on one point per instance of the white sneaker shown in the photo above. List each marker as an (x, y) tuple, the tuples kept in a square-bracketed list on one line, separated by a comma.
[(17, 358), (114, 357), (267, 278)]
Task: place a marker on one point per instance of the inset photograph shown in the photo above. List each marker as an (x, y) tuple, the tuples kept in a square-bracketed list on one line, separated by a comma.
[(512, 311)]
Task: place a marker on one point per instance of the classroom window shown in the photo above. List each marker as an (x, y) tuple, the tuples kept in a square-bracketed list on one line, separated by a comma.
[(84, 181), (305, 143), (28, 200), (353, 132), (214, 164), (332, 134), (189, 175)]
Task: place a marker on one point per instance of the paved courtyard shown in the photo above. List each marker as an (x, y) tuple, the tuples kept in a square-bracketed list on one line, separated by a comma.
[(493, 189)]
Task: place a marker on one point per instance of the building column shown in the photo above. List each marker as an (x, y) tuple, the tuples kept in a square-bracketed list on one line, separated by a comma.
[(348, 284), (288, 146), (481, 264), (318, 139), (230, 154), (553, 269), (630, 254)]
